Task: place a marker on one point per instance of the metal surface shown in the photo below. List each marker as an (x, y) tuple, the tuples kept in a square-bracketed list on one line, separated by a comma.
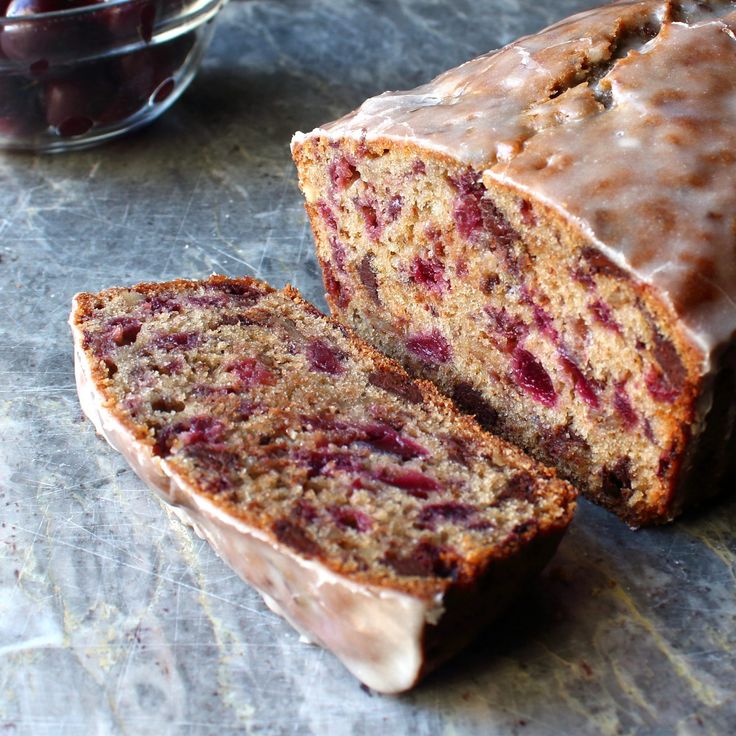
[(114, 618)]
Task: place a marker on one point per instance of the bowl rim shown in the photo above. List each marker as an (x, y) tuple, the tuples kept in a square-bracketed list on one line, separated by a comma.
[(98, 7)]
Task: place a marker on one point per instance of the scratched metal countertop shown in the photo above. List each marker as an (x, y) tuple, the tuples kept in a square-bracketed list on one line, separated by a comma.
[(115, 618)]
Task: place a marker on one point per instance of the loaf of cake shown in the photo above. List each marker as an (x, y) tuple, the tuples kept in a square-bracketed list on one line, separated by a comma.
[(380, 522), (548, 233)]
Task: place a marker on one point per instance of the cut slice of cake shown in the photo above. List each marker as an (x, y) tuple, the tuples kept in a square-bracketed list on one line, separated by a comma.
[(547, 232), (376, 519)]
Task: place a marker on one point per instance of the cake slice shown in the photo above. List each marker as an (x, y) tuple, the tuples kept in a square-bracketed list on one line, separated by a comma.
[(377, 520), (547, 232)]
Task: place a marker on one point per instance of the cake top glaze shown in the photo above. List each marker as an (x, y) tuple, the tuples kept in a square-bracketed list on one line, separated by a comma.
[(622, 119)]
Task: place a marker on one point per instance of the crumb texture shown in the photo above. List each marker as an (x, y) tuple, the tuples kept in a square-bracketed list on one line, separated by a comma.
[(485, 230), (287, 422)]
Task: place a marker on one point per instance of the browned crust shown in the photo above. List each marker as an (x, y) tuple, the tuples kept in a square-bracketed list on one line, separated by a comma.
[(563, 493), (499, 584), (86, 300)]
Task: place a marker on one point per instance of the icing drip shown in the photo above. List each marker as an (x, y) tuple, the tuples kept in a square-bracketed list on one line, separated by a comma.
[(623, 120)]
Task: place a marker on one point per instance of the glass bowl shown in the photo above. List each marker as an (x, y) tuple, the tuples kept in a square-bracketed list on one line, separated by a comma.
[(76, 77)]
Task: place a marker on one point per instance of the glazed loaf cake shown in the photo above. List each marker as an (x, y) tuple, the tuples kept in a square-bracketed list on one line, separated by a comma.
[(377, 520), (547, 233)]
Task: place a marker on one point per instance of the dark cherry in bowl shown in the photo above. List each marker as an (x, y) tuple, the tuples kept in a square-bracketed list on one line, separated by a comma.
[(77, 72)]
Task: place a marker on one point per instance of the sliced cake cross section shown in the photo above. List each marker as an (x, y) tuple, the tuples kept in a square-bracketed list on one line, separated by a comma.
[(380, 522)]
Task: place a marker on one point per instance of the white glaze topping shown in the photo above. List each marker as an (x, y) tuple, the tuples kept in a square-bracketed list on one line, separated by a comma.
[(376, 632), (623, 120)]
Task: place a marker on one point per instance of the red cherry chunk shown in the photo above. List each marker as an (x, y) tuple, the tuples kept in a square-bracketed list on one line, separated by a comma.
[(674, 370), (527, 213), (450, 511), (467, 214), (176, 341), (545, 322), (461, 450), (203, 430), (243, 294), (161, 303), (509, 329), (221, 465), (430, 347), (322, 357), (327, 462), (369, 278), (325, 422), (519, 487), (368, 208), (387, 439), (304, 510), (623, 406), (429, 273), (564, 444), (531, 376), (394, 207), (124, 330), (603, 314), (414, 482), (583, 387), (215, 299), (252, 372), (342, 173), (327, 215), (496, 223), (659, 386), (339, 254)]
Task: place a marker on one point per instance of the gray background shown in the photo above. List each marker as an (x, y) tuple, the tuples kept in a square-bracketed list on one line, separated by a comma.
[(114, 618)]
